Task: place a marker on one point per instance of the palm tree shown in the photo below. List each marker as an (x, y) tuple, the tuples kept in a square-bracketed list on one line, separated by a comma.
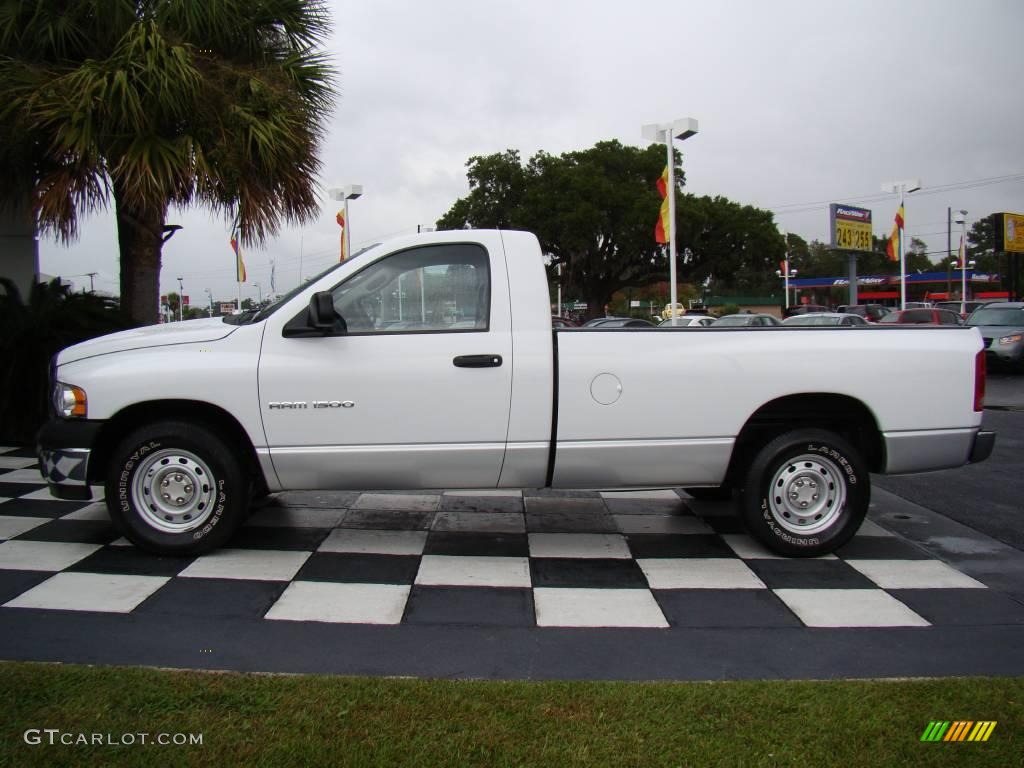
[(153, 103)]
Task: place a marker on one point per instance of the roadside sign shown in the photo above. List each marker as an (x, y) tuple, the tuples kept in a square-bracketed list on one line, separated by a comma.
[(850, 227)]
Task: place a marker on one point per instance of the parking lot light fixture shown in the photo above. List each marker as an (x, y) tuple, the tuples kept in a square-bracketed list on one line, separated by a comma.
[(961, 219), (346, 193), (682, 129)]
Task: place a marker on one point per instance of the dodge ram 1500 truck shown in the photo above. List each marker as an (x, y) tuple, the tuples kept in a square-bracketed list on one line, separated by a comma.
[(430, 362)]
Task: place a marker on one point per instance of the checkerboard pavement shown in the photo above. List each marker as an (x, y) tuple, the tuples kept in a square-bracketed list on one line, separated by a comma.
[(653, 559)]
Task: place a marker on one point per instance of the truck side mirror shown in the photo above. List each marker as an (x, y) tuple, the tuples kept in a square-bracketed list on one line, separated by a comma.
[(321, 311)]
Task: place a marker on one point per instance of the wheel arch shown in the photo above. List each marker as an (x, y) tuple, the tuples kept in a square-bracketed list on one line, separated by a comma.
[(842, 414), (148, 412)]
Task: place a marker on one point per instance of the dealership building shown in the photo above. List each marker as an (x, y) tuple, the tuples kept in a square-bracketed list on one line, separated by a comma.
[(885, 289)]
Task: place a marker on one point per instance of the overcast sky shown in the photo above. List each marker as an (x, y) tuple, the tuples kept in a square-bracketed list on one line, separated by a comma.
[(800, 103)]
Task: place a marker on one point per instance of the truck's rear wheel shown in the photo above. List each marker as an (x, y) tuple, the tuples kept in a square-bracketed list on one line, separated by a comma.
[(176, 489), (806, 493)]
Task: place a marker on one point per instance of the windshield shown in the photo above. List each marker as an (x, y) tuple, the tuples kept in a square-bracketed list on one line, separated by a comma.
[(991, 316), (254, 316)]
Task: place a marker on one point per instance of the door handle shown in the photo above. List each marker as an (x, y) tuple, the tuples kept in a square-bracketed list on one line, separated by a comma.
[(477, 361)]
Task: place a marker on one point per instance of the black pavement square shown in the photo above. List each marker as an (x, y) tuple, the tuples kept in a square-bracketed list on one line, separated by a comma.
[(131, 561), (14, 490), (221, 598), (724, 608), (477, 544), (809, 574), (504, 607), (647, 507), (40, 508), (880, 548), (962, 607), (266, 537), (388, 520), (678, 545), (569, 522), (481, 504), (14, 583), (314, 499), (724, 524), (78, 531), (586, 572), (359, 568), (552, 493), (21, 453)]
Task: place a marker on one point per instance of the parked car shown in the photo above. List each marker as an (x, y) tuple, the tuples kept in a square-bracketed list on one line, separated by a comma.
[(826, 318), (918, 305), (873, 313), (922, 317), (745, 321), (562, 322), (968, 306), (690, 321), (804, 309), (623, 322), (598, 320), (1002, 328)]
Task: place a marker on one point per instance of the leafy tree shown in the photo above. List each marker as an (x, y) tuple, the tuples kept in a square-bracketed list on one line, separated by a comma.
[(981, 246), (594, 212), (158, 102)]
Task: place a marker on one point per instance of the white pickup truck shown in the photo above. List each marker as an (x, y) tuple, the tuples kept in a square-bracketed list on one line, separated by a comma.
[(430, 362)]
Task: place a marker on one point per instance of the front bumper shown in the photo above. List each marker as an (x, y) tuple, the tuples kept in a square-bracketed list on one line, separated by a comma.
[(64, 448)]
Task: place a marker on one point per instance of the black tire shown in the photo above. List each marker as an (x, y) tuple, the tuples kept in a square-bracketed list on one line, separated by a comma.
[(722, 493), (806, 493), (207, 491)]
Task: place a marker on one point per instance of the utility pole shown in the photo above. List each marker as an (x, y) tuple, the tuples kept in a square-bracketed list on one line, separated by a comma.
[(91, 275), (181, 301)]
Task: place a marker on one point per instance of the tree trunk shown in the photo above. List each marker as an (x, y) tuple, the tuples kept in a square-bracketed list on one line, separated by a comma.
[(597, 300), (140, 239)]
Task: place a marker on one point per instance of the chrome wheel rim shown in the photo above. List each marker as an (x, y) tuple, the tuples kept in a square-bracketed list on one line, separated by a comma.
[(807, 494), (174, 490)]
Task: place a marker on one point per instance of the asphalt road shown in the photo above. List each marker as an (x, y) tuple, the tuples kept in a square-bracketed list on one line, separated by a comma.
[(988, 497)]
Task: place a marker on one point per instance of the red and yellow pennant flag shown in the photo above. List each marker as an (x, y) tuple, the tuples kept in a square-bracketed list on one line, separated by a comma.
[(661, 229), (961, 254), (239, 263), (892, 248), (340, 218)]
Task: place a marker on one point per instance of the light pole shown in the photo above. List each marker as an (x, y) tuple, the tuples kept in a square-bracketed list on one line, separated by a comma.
[(181, 301), (902, 188), (785, 275), (961, 219), (681, 129), (259, 293), (346, 193), (209, 295)]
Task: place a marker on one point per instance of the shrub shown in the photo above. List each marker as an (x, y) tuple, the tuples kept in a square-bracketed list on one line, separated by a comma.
[(34, 331)]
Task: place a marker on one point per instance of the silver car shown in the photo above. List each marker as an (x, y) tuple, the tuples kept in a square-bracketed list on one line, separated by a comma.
[(826, 319), (745, 321), (1002, 328)]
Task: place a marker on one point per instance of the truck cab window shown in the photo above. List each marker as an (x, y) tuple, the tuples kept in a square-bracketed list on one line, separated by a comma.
[(432, 289)]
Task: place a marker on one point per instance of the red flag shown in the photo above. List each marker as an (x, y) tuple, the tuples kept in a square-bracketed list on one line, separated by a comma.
[(892, 248), (340, 218), (661, 229)]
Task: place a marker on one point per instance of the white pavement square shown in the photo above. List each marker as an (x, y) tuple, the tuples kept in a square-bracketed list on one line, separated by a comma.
[(581, 545), (458, 571), (11, 526), (341, 603), (295, 517), (398, 501), (849, 608), (699, 573), (255, 564), (597, 608), (870, 528), (42, 555), (24, 476), (375, 542), (661, 524), (95, 511), (914, 574), (109, 593), (494, 493), (15, 462)]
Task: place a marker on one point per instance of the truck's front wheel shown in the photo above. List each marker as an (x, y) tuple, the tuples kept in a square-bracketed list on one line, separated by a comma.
[(176, 489), (806, 493)]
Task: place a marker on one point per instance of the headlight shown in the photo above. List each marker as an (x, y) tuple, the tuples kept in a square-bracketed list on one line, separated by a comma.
[(69, 401), (1011, 339)]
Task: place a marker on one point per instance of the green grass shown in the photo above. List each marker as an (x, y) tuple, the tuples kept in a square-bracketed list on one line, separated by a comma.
[(257, 720)]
